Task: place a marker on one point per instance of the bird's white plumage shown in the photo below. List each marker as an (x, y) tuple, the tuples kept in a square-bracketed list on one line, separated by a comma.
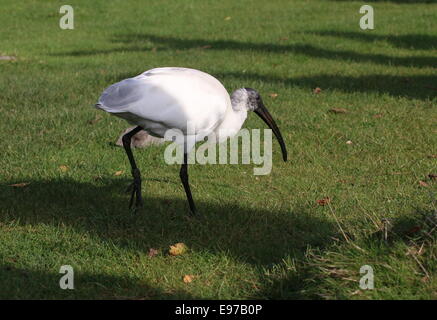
[(168, 98), (191, 101)]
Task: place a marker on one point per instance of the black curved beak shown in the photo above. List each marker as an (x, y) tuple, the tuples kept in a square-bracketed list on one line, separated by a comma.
[(264, 114)]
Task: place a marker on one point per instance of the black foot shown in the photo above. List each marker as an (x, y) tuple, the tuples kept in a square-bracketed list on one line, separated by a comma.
[(193, 210), (135, 188)]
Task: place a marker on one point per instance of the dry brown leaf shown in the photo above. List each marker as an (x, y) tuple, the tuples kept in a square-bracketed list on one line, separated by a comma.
[(378, 115), (153, 252), (338, 273), (118, 173), (8, 58), (12, 260), (20, 185), (188, 278), (423, 183), (414, 230), (139, 140), (63, 168), (317, 90), (357, 292), (425, 279), (324, 201), (431, 87), (338, 110), (413, 251), (95, 120), (273, 95), (178, 249)]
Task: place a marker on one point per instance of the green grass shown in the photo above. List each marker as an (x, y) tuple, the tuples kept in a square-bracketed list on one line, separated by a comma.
[(259, 237)]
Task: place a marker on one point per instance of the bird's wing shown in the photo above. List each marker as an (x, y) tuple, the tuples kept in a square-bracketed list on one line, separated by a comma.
[(170, 97), (122, 96)]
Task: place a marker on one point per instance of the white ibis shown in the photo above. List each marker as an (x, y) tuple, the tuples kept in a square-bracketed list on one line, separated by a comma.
[(169, 98)]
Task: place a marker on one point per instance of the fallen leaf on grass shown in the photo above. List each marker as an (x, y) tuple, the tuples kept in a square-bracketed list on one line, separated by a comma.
[(378, 115), (423, 183), (139, 140), (324, 201), (414, 230), (95, 120), (414, 250), (317, 90), (188, 278), (430, 87), (153, 252), (20, 185), (425, 279), (357, 292), (8, 58), (118, 173), (63, 168), (338, 110), (178, 249), (12, 260), (338, 273), (432, 156), (273, 95), (348, 142)]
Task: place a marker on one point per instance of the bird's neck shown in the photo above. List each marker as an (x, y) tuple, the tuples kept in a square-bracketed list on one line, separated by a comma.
[(232, 123)]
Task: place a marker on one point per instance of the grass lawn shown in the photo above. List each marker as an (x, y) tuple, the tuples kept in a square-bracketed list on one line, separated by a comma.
[(261, 237)]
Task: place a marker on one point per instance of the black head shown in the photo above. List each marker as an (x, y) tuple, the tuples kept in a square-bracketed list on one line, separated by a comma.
[(256, 104), (253, 99)]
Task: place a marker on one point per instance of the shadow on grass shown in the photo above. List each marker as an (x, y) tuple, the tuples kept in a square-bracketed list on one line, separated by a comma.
[(407, 41), (422, 87), (145, 42), (404, 246), (415, 86), (18, 283), (261, 237)]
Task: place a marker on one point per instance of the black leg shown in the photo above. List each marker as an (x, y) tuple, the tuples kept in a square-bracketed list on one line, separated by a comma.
[(184, 178), (136, 185)]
